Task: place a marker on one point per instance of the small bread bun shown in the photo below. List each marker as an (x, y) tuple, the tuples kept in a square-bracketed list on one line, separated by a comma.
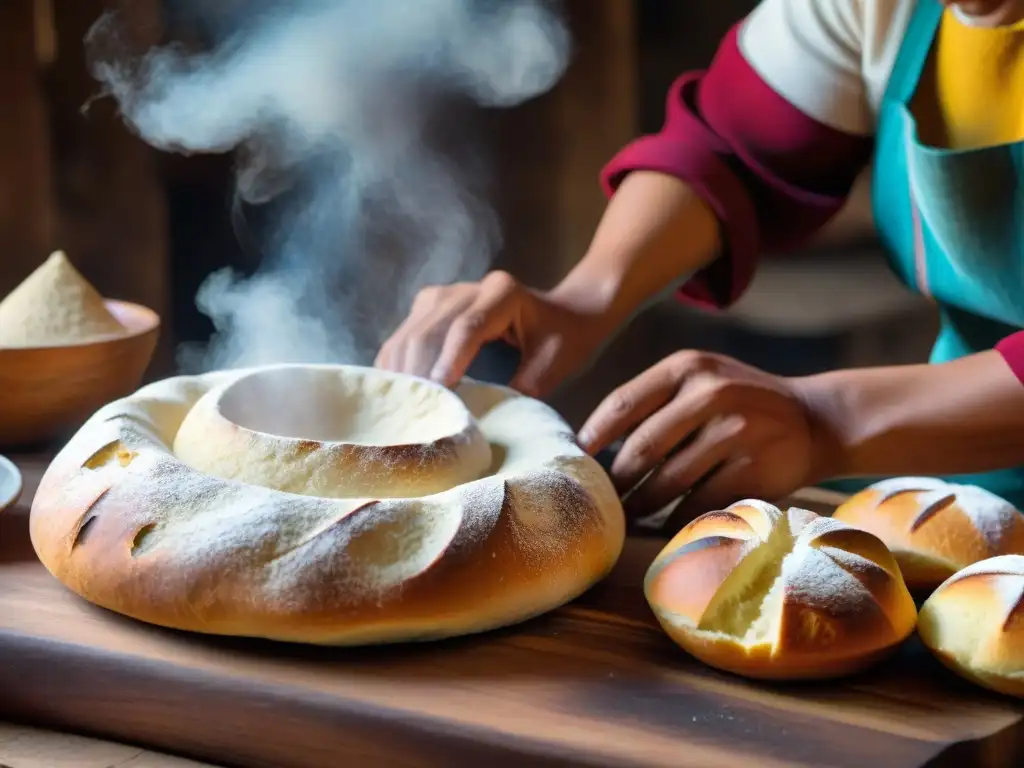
[(935, 528), (974, 624), (779, 595)]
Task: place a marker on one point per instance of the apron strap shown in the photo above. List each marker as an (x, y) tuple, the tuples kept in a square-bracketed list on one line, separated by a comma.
[(914, 52)]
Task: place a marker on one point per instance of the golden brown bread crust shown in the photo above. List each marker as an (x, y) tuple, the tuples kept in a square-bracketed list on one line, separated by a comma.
[(779, 595), (935, 528), (974, 624), (125, 524)]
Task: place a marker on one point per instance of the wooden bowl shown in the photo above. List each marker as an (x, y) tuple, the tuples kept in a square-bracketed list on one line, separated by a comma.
[(47, 391)]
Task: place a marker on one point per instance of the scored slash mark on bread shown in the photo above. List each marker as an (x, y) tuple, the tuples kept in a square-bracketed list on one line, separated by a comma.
[(935, 528), (931, 507), (115, 450), (87, 518), (987, 512)]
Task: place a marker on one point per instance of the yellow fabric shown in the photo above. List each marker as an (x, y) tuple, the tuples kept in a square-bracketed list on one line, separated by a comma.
[(976, 86)]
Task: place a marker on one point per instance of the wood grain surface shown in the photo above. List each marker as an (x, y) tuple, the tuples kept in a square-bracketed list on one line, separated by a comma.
[(23, 747), (595, 683)]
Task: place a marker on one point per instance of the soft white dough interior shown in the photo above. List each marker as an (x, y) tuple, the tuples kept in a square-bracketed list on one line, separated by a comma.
[(748, 606), (749, 603), (366, 407)]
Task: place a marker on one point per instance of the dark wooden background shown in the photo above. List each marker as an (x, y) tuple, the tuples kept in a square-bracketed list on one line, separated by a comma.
[(148, 227)]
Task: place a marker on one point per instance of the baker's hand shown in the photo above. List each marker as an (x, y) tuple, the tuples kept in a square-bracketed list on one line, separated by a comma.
[(449, 324), (708, 425)]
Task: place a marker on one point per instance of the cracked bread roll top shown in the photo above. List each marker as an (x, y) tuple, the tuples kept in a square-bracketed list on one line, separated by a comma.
[(779, 595), (935, 528), (974, 624)]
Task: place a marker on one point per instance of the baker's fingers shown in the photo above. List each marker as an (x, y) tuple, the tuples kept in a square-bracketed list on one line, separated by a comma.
[(420, 352), (627, 407), (722, 487), (539, 370), (683, 471), (487, 318), (693, 407), (386, 354), (391, 354), (414, 346), (425, 341)]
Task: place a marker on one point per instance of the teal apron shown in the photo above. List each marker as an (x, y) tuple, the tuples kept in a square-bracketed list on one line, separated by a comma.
[(952, 224)]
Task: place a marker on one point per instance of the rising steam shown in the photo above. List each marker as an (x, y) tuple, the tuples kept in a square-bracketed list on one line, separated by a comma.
[(344, 115)]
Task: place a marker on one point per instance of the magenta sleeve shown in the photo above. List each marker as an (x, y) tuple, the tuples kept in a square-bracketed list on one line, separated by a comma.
[(1012, 350), (772, 175)]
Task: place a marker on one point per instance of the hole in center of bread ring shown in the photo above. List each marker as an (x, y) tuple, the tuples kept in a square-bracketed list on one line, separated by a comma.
[(335, 433)]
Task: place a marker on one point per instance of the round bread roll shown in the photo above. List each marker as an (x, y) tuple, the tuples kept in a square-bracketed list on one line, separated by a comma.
[(974, 623), (779, 595), (326, 504), (935, 528)]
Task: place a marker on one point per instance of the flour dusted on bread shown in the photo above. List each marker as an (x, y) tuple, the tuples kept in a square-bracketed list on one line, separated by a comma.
[(419, 513), (55, 306), (991, 515), (933, 527)]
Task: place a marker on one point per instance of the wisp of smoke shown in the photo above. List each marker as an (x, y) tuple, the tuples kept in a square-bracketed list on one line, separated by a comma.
[(333, 107)]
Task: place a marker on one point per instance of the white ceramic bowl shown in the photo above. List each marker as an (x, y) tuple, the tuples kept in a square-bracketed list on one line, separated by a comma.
[(10, 483)]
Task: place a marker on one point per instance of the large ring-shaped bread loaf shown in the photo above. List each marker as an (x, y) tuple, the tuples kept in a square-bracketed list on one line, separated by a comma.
[(514, 519)]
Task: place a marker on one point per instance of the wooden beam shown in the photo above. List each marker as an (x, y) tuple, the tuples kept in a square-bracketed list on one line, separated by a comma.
[(112, 217), (550, 150), (598, 113), (26, 220)]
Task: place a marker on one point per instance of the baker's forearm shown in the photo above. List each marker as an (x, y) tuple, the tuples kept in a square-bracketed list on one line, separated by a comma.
[(960, 417), (655, 233)]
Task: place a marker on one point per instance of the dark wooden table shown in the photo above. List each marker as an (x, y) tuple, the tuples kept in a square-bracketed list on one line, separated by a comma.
[(595, 683)]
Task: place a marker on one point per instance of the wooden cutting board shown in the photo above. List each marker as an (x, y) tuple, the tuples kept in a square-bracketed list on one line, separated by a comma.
[(595, 683)]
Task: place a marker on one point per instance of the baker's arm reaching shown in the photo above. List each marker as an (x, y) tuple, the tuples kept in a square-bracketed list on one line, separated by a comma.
[(738, 168), (718, 430), (954, 418), (771, 173)]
